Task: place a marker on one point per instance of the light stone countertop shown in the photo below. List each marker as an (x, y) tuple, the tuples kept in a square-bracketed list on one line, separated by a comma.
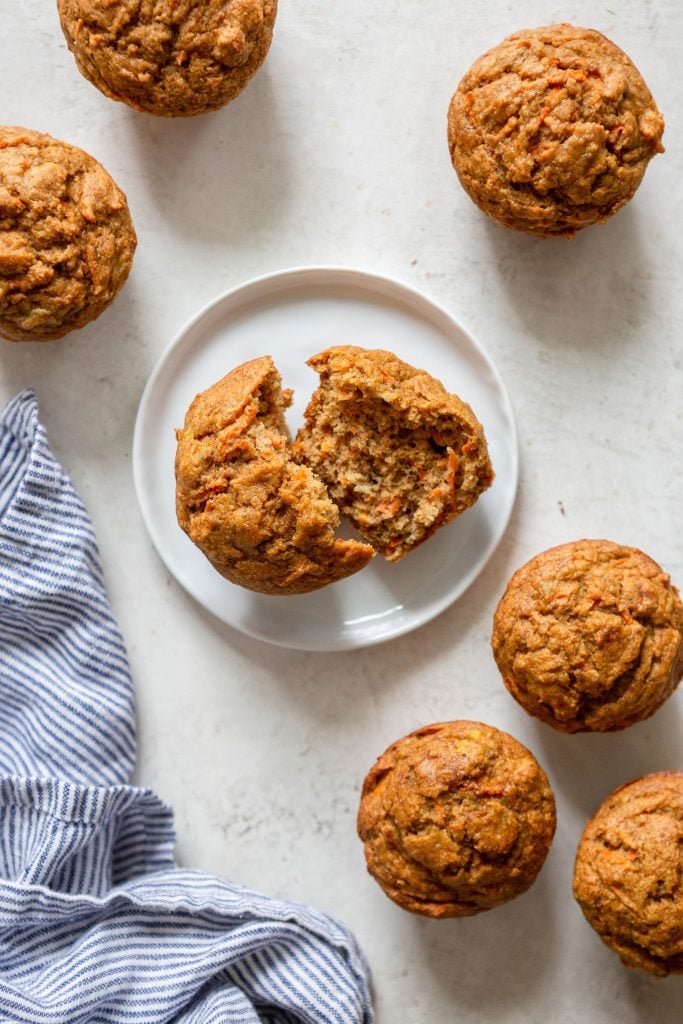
[(336, 154)]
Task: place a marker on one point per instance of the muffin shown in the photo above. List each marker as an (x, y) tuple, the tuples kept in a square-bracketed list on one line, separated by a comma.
[(628, 876), (456, 818), (552, 130), (66, 237), (399, 455), (588, 636), (168, 57), (262, 520)]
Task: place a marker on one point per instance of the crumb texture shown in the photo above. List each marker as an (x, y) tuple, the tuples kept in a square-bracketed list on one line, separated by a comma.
[(399, 455), (456, 818), (169, 57), (262, 520), (553, 129), (589, 636), (66, 237), (628, 876)]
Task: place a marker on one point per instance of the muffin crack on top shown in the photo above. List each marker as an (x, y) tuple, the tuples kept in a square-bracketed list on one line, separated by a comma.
[(263, 521), (589, 636), (66, 236), (182, 32), (456, 818), (170, 57), (628, 874), (553, 129)]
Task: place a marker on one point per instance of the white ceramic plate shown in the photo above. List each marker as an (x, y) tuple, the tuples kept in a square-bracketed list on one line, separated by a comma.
[(292, 315)]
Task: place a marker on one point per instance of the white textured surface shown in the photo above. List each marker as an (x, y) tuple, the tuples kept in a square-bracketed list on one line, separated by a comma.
[(336, 154)]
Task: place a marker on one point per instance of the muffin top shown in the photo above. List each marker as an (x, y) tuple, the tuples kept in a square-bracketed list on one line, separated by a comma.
[(456, 818), (172, 57), (552, 129), (66, 237), (263, 521), (589, 636), (628, 875)]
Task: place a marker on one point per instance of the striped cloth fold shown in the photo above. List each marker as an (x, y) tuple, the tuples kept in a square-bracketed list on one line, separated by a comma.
[(97, 924)]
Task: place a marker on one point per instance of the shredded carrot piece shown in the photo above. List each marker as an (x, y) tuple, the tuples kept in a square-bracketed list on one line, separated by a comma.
[(391, 507), (469, 104), (451, 473)]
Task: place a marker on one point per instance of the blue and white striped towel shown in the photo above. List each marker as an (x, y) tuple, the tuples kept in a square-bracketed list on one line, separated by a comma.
[(97, 924)]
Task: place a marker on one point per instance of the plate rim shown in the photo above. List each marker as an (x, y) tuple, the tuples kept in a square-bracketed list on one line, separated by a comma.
[(351, 273)]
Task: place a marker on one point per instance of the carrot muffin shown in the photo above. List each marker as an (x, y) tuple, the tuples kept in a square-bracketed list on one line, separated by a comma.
[(552, 130), (589, 636), (628, 876), (262, 520), (456, 818), (400, 455), (172, 57), (66, 237)]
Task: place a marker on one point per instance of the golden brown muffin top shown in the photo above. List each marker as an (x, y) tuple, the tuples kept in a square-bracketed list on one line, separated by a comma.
[(66, 237), (553, 129), (263, 521), (170, 57), (456, 818), (628, 876), (589, 636)]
